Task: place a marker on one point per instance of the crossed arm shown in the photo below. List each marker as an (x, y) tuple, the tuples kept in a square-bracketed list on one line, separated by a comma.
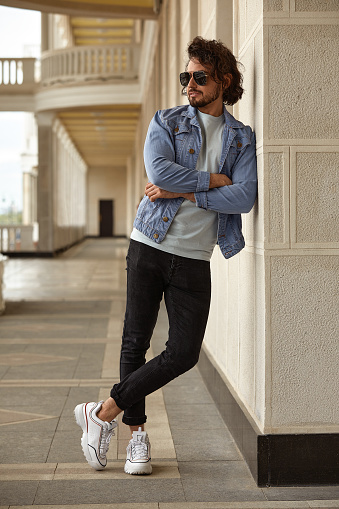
[(154, 192), (210, 191)]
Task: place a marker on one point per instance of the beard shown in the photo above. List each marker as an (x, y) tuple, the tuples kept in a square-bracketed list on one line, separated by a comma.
[(204, 99)]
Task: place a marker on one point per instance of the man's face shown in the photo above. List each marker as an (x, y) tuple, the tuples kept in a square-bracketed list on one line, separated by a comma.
[(204, 97)]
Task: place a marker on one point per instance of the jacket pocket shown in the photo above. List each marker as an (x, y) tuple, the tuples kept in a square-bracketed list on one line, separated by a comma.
[(181, 136), (236, 148)]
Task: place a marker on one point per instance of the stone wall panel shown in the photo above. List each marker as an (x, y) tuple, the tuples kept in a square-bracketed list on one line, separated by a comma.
[(247, 328), (315, 196), (316, 5), (303, 88), (273, 5), (232, 361), (304, 328), (278, 204), (259, 335)]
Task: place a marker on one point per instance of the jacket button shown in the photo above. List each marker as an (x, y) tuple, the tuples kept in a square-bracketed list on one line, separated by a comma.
[(191, 150), (155, 235), (176, 129), (239, 145), (165, 219)]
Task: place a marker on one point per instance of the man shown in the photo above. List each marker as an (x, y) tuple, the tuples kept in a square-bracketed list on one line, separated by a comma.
[(201, 166)]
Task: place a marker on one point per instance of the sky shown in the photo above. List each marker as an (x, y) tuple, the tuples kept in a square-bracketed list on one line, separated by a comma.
[(18, 28)]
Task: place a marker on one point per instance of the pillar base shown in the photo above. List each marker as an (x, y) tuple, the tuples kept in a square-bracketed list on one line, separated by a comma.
[(279, 459)]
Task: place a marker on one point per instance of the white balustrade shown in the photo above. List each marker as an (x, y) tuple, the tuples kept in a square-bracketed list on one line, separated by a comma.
[(18, 237), (83, 63), (67, 65), (17, 72)]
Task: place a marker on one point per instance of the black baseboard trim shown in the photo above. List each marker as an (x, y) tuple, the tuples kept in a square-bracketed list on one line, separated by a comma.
[(42, 254), (274, 460), (108, 237), (52, 254), (29, 254)]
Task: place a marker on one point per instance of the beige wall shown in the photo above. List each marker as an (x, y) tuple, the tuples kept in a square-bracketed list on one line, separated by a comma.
[(273, 322), (106, 184)]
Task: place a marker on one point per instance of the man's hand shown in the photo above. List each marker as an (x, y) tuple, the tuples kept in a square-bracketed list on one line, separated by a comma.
[(154, 192), (219, 180)]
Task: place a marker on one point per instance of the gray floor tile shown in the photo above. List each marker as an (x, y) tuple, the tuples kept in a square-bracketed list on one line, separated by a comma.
[(53, 328), (64, 350), (206, 492), (186, 395), (75, 296), (41, 400), (191, 378), (57, 308), (233, 474), (44, 426), (109, 492), (35, 449), (3, 371), (66, 447), (51, 370), (17, 493), (199, 445), (218, 481), (302, 493), (195, 417), (76, 396), (67, 424)]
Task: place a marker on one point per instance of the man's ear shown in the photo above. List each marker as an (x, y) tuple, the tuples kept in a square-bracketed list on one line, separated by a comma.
[(227, 81)]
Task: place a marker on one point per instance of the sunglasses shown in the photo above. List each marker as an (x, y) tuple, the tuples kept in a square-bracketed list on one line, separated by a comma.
[(200, 77)]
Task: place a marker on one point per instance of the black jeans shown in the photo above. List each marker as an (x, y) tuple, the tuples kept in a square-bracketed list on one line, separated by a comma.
[(186, 286)]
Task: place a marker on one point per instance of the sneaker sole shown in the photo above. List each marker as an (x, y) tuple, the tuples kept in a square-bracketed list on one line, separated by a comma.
[(138, 469), (80, 418)]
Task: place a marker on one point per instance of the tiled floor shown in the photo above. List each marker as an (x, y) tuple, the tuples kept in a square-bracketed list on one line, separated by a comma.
[(59, 346)]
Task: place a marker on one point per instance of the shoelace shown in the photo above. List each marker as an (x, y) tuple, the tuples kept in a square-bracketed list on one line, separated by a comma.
[(106, 435), (139, 449)]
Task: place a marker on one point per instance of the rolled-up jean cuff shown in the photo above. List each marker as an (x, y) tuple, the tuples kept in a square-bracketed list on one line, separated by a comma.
[(116, 398), (134, 421)]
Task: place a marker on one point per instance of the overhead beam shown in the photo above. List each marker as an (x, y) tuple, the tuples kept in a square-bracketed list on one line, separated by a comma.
[(84, 8)]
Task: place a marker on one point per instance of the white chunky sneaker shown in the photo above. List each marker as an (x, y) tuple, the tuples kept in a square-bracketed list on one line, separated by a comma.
[(138, 460), (96, 434)]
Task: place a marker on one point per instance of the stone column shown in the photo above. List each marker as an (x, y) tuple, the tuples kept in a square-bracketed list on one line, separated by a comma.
[(272, 339), (44, 32), (300, 186), (2, 268), (45, 181)]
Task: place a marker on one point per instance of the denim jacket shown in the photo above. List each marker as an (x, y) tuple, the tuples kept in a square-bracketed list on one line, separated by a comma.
[(171, 152)]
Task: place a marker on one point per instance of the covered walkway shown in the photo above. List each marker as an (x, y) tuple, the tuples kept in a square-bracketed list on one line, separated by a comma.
[(60, 339)]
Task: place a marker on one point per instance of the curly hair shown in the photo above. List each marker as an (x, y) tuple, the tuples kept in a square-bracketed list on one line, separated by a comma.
[(221, 61)]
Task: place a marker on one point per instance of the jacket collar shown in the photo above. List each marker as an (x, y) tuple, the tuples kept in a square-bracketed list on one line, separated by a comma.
[(191, 113)]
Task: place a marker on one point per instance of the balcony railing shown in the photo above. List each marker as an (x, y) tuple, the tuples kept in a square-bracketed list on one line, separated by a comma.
[(86, 63), (17, 74), (18, 237)]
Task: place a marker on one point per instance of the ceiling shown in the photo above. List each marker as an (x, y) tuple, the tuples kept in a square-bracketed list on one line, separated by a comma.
[(99, 31), (104, 136), (144, 9)]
